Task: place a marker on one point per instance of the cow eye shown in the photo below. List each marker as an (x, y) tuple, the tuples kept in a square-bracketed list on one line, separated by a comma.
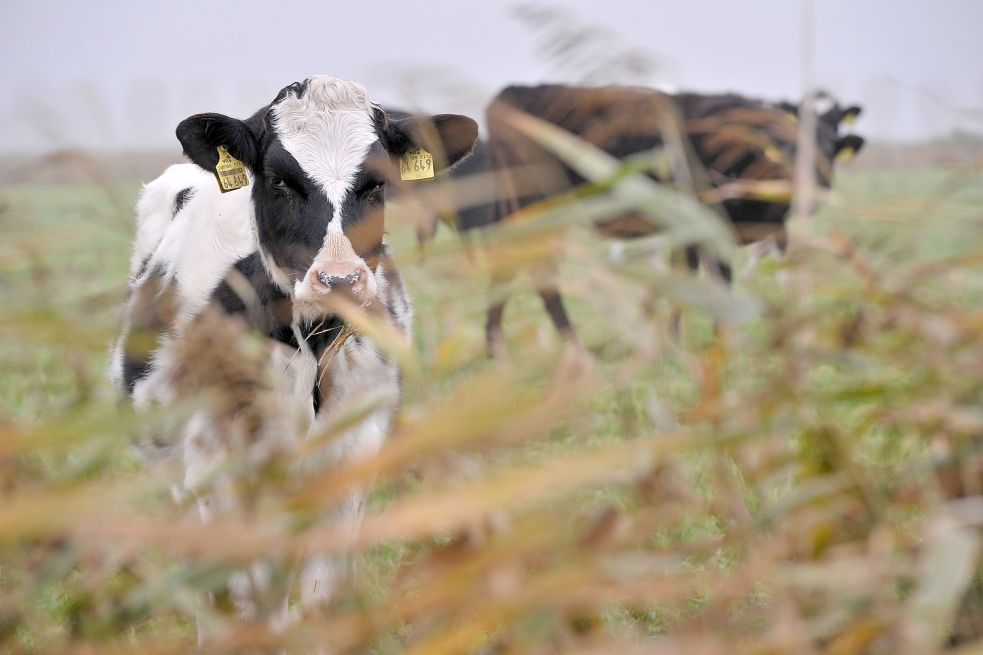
[(374, 193), (278, 185)]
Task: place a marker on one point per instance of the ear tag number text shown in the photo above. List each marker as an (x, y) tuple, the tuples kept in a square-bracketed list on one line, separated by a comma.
[(231, 172), (416, 165)]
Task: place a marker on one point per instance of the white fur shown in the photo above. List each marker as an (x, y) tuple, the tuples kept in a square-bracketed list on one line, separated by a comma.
[(154, 210), (822, 102), (277, 274), (198, 246)]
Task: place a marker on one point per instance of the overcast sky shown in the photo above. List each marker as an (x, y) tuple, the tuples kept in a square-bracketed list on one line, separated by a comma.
[(122, 74)]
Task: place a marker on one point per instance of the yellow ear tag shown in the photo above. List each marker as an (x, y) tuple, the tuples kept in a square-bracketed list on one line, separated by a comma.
[(230, 171), (845, 155), (849, 119), (416, 165)]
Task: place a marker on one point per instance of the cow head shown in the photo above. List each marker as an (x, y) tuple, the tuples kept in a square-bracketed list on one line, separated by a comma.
[(831, 144), (320, 157), (831, 116)]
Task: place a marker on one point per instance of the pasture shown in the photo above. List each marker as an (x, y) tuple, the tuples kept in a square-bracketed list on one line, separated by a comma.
[(808, 479)]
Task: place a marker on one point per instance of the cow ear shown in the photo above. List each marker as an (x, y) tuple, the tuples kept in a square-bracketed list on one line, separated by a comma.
[(201, 136), (448, 137), (847, 147), (850, 114)]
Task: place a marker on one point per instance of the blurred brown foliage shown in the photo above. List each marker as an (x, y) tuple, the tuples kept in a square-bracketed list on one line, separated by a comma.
[(807, 480)]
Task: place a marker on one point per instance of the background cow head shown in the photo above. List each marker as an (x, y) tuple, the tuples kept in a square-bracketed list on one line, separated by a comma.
[(831, 144), (319, 158)]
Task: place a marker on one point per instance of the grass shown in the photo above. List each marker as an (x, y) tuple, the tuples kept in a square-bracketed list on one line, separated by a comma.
[(808, 480)]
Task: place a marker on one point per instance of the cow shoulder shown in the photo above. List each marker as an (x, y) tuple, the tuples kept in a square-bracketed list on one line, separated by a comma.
[(159, 203), (203, 241)]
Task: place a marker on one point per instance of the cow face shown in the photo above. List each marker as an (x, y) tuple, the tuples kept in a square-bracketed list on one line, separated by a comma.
[(320, 158), (831, 145)]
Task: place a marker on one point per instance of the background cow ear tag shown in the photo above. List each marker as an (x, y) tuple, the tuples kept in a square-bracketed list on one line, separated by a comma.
[(230, 171), (416, 165)]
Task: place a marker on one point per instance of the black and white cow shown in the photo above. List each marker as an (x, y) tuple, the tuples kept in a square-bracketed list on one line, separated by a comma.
[(272, 258), (729, 139)]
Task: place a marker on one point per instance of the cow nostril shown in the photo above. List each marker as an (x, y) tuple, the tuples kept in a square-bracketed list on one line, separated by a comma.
[(338, 280)]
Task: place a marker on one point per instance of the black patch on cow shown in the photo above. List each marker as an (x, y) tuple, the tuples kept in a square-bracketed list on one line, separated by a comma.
[(292, 213), (201, 134), (134, 370), (181, 200), (319, 336), (248, 291), (285, 334), (269, 311)]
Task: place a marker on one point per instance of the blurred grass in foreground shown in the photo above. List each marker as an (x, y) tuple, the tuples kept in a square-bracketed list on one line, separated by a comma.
[(810, 480)]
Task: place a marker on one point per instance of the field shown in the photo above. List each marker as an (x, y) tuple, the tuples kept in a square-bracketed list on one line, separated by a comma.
[(807, 478)]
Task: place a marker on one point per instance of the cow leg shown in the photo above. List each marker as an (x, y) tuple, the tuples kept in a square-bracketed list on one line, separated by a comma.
[(494, 336), (319, 578), (558, 313), (779, 247), (715, 267), (722, 271), (757, 251), (760, 249), (321, 573), (201, 456), (205, 454), (426, 229), (692, 261)]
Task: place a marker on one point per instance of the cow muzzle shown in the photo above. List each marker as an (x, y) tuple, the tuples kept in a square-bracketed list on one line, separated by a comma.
[(338, 273), (326, 280)]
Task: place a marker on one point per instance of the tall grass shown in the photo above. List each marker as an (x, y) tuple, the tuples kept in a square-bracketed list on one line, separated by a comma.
[(807, 479)]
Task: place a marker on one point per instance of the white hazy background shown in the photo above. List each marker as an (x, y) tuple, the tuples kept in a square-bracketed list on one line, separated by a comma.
[(120, 75)]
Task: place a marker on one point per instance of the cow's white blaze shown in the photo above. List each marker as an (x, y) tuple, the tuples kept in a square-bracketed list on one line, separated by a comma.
[(328, 130)]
